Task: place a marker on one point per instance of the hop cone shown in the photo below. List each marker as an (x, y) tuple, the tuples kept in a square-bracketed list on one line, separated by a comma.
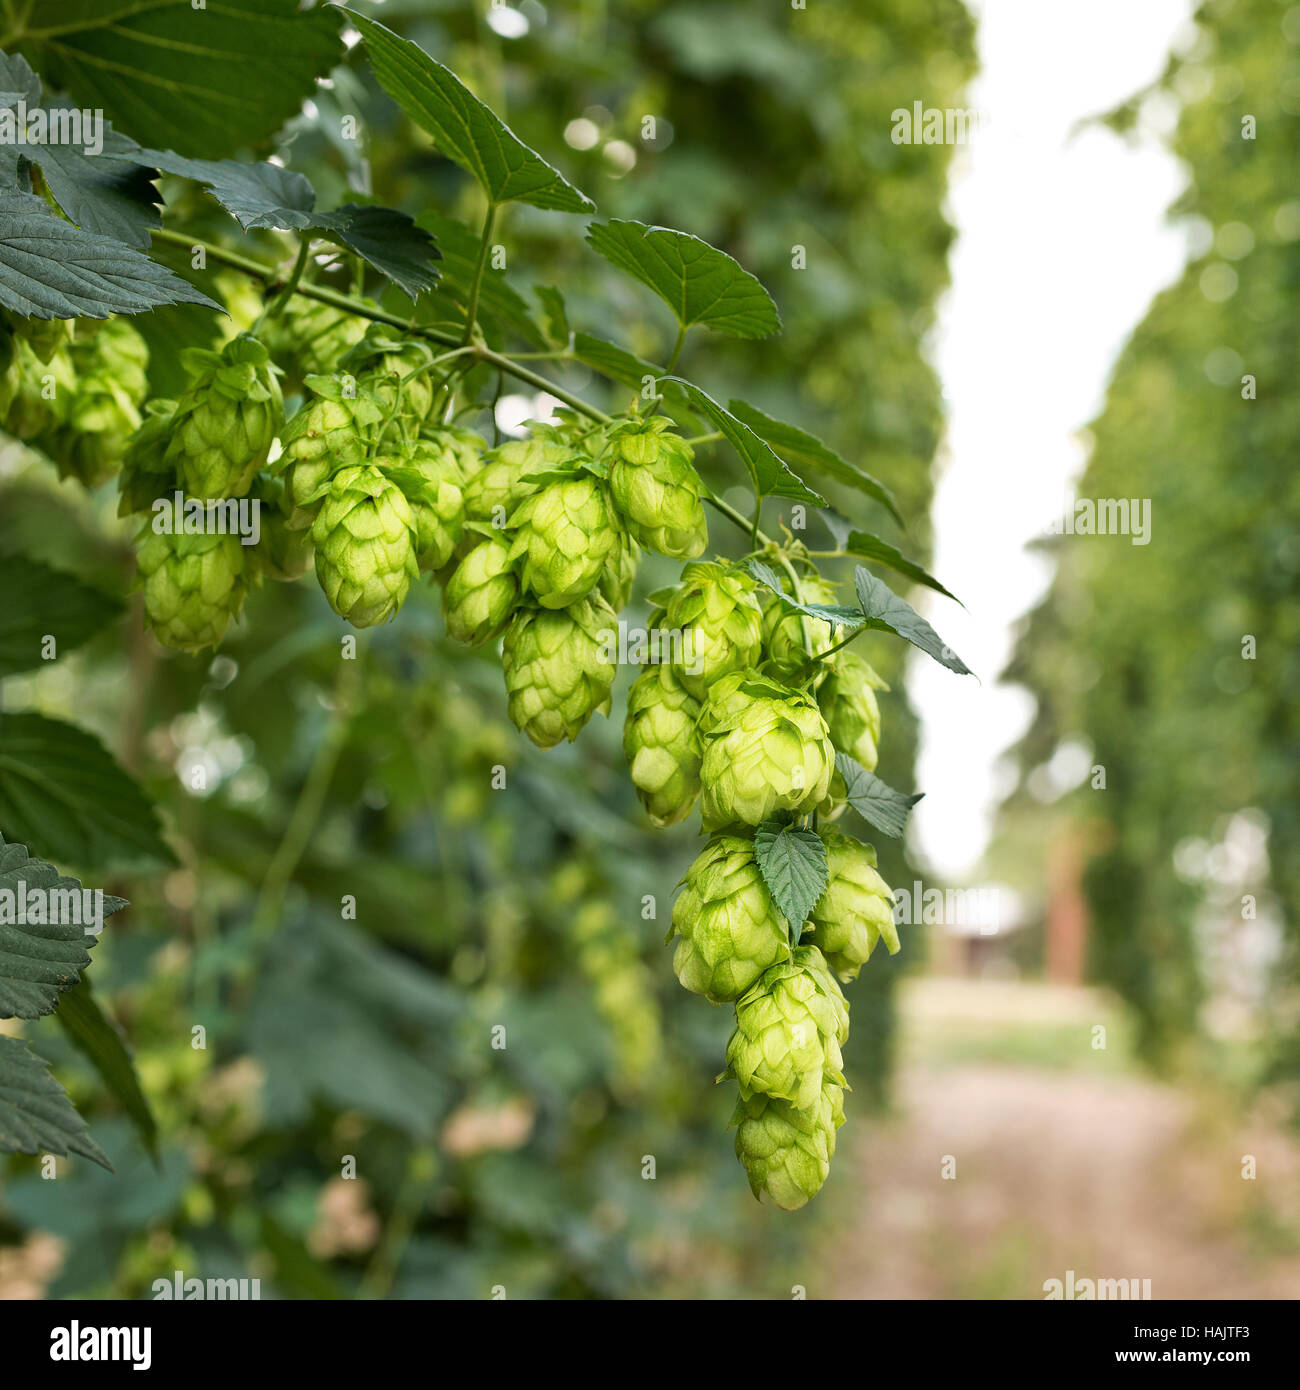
[(731, 931), (789, 637), (848, 704), (193, 585), (146, 475), (364, 536), (765, 749), (718, 615), (786, 1151), (481, 592), (393, 368), (856, 910), (494, 492), (327, 434), (661, 746), (558, 668), (656, 488), (105, 409), (463, 447), (280, 553), (312, 336), (789, 1028), (37, 393), (225, 422), (619, 575), (566, 534), (430, 479)]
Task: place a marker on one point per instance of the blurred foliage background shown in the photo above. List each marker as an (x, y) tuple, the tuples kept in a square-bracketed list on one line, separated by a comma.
[(326, 782)]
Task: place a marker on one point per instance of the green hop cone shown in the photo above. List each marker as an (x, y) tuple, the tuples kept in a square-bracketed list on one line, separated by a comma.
[(224, 423), (766, 749), (193, 585), (493, 493), (847, 699), (565, 536), (856, 910), (656, 488), (364, 536), (482, 591), (661, 746), (619, 575), (394, 368), (37, 394), (280, 552), (789, 637), (430, 479), (786, 1151), (327, 434), (789, 1027), (559, 666), (146, 475), (731, 931), (311, 336), (716, 611), (463, 447)]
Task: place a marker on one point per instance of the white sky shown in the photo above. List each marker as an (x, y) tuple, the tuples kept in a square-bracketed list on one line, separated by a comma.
[(1062, 242)]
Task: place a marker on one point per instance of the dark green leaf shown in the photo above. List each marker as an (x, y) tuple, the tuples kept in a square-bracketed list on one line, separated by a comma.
[(770, 475), (40, 958), (100, 1039), (62, 793), (36, 1116), (793, 864), (806, 451), (50, 269), (256, 195), (837, 615), (464, 128), (699, 283), (215, 78), (886, 612), (875, 801), (557, 316), (389, 240), (869, 547), (37, 602)]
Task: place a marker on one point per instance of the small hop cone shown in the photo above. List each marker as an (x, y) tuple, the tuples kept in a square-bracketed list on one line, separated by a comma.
[(193, 585), (482, 591), (565, 536), (39, 393), (661, 746), (280, 553), (226, 420), (656, 488), (146, 475), (326, 435), (790, 637), (619, 575), (558, 668), (731, 931), (104, 411), (766, 749), (789, 1028), (312, 336), (463, 447), (364, 536), (494, 492), (430, 480), (718, 615), (856, 910), (786, 1151), (393, 368), (847, 699)]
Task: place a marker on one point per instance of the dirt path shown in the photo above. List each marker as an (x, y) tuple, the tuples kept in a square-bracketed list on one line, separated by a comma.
[(1111, 1177)]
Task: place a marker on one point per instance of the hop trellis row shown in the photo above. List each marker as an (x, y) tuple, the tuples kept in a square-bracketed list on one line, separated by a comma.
[(757, 711)]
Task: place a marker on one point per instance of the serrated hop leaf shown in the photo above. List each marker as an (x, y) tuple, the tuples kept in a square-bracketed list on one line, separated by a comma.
[(36, 396), (731, 931), (789, 1028), (565, 535), (193, 585), (661, 745), (619, 575), (430, 480), (110, 367), (790, 637), (224, 423), (281, 553), (786, 1151), (482, 591), (365, 539), (856, 910), (656, 488), (395, 369), (493, 493), (559, 666), (718, 615), (766, 749), (327, 434), (847, 699)]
